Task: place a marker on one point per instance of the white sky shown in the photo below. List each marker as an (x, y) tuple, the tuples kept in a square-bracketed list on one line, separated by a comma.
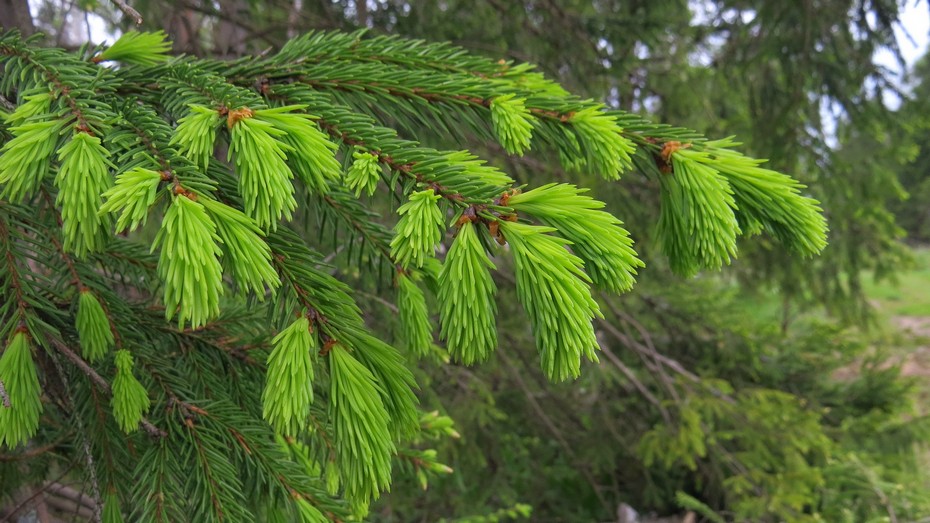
[(916, 23)]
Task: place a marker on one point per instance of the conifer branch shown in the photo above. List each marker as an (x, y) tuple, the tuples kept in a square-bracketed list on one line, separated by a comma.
[(407, 169), (61, 87), (101, 383), (363, 228), (15, 278), (297, 119), (85, 443)]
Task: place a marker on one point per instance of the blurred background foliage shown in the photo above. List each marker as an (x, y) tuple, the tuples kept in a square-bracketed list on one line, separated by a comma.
[(780, 389)]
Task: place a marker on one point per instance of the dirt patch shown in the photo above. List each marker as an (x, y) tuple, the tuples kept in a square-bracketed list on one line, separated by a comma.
[(916, 362)]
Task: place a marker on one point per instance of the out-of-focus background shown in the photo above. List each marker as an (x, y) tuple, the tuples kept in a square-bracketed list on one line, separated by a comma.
[(779, 389)]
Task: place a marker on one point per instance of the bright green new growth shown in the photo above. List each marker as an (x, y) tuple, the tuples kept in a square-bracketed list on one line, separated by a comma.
[(82, 178), (364, 173), (195, 134), (554, 291), (477, 169), (597, 237), (130, 399), (111, 512), (606, 151), (467, 308), (25, 160), (360, 429), (288, 390), (245, 253), (210, 454), (93, 327), (19, 420), (34, 105), (413, 315), (697, 225), (188, 263), (264, 177), (131, 196), (138, 48), (308, 513), (393, 379), (513, 124), (312, 156), (419, 229), (767, 200)]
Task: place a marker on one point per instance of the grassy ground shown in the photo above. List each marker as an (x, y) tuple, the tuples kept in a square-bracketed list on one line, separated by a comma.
[(903, 310), (909, 295)]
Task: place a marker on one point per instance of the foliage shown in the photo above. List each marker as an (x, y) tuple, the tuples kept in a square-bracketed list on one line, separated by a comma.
[(139, 140), (352, 86)]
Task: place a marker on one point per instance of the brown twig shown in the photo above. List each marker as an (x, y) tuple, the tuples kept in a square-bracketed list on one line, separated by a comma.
[(128, 11), (4, 397), (102, 384)]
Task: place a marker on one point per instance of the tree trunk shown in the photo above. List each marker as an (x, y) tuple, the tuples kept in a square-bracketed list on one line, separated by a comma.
[(229, 37), (14, 14)]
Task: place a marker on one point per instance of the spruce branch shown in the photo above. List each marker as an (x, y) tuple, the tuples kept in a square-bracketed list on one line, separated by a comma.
[(330, 381), (62, 87), (14, 277), (101, 383), (376, 236), (85, 443)]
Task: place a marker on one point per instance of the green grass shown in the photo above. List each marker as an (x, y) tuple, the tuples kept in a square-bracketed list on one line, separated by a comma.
[(908, 294)]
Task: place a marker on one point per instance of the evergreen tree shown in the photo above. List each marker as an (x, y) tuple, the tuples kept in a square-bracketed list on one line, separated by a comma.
[(173, 333)]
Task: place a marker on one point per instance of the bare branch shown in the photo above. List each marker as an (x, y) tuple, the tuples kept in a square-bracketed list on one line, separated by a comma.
[(128, 11), (102, 384)]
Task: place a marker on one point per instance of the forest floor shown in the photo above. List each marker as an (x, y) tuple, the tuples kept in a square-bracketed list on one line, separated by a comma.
[(903, 309)]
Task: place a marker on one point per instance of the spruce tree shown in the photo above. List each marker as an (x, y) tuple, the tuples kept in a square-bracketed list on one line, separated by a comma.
[(174, 334)]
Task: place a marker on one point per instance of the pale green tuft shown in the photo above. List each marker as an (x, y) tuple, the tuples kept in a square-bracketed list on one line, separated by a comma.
[(364, 173), (597, 237), (467, 309), (264, 177), (189, 263), (554, 291), (767, 199), (131, 196), (606, 151), (130, 399), (393, 377), (246, 255), (308, 513), (19, 420), (288, 390), (419, 229), (513, 123), (360, 430), (478, 170), (415, 328), (331, 475), (312, 156), (196, 134), (93, 327), (138, 48), (25, 160), (82, 179), (697, 225), (34, 105), (111, 512)]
